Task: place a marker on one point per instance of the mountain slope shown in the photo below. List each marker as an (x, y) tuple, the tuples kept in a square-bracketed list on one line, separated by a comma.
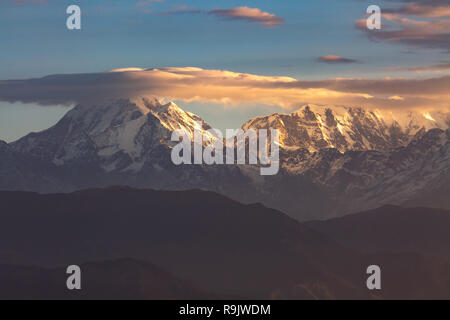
[(315, 128), (107, 280), (368, 179), (218, 244), (361, 159), (227, 248), (328, 183), (392, 229), (116, 136), (411, 245), (24, 172)]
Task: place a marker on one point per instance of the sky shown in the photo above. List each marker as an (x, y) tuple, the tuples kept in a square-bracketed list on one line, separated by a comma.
[(225, 60)]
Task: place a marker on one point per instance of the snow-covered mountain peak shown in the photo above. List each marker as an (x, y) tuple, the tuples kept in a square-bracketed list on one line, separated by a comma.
[(128, 142), (97, 118), (171, 116), (119, 135), (307, 109), (317, 127)]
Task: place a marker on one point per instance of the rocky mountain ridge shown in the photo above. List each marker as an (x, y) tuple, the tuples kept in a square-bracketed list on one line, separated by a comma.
[(334, 161)]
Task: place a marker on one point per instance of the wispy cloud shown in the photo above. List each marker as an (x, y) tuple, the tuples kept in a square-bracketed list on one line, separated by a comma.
[(22, 2), (396, 98), (144, 3), (177, 10), (425, 9), (332, 59), (221, 86), (439, 67), (250, 15), (420, 24)]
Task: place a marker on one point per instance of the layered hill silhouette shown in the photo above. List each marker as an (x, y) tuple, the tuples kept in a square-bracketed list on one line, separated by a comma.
[(219, 246), (391, 229), (216, 243), (124, 279), (411, 244)]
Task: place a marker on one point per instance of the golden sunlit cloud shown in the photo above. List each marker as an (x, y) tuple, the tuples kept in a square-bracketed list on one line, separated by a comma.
[(396, 98), (230, 88), (126, 69)]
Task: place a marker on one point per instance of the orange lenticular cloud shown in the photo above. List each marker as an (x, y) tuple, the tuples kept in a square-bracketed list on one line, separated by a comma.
[(230, 88)]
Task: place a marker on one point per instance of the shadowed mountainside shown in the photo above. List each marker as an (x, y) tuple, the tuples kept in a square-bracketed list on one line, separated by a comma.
[(126, 279), (216, 243), (391, 229), (221, 246)]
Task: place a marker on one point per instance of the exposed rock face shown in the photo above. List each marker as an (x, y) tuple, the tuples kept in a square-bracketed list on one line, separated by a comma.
[(346, 129)]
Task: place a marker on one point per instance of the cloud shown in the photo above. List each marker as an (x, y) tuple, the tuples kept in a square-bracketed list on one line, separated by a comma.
[(144, 3), (250, 15), (440, 67), (417, 24), (254, 15), (21, 2), (426, 10), (230, 88), (332, 59), (177, 10), (396, 98), (130, 69)]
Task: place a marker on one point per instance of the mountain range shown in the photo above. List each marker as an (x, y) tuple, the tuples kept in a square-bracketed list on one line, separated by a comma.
[(145, 244), (334, 160)]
